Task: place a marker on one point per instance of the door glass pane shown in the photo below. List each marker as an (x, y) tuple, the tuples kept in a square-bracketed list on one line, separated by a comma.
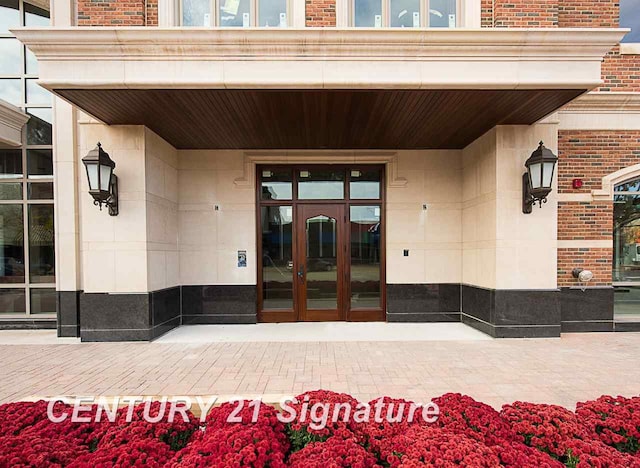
[(277, 257), (11, 191), (10, 59), (196, 13), (276, 184), (365, 256), (321, 184), (365, 184), (235, 13), (43, 301), (11, 244), (9, 15), (12, 301), (442, 13), (41, 251), (39, 163), (39, 126), (322, 274), (365, 13), (272, 13), (10, 163), (35, 16), (36, 94), (11, 91), (404, 13)]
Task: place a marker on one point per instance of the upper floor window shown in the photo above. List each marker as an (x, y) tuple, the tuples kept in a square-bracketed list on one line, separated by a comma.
[(235, 13), (630, 18), (404, 13)]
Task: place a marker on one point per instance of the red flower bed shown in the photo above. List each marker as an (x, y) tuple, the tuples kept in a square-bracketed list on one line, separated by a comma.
[(616, 421), (600, 433)]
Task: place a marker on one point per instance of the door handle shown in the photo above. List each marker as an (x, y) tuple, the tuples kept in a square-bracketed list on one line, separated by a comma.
[(301, 273)]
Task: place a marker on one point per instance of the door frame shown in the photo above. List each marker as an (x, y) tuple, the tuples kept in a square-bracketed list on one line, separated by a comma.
[(348, 314)]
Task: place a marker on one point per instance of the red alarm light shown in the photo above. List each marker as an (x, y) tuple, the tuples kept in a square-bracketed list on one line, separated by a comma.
[(576, 183)]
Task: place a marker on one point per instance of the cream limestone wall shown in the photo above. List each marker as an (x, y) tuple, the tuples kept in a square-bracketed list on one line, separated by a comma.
[(161, 176), (502, 247), (433, 236), (479, 211), (136, 251), (209, 239)]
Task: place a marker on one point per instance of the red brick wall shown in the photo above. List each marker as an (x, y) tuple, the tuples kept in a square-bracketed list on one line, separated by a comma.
[(620, 72), (320, 13), (486, 13), (525, 13), (588, 13), (598, 261), (589, 155), (117, 13)]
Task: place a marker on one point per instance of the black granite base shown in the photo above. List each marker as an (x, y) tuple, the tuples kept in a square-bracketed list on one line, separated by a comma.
[(68, 313), (423, 303), (28, 324), (586, 309), (129, 317), (512, 313), (219, 304), (627, 326)]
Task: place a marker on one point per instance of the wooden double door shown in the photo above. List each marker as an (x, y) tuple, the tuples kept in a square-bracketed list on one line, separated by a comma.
[(321, 260)]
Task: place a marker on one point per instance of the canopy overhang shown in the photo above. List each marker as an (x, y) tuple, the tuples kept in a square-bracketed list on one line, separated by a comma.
[(319, 88)]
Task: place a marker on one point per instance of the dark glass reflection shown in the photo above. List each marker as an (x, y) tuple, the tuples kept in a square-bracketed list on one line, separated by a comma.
[(40, 190), (365, 12), (39, 163), (365, 256), (12, 301), (10, 163), (626, 237), (235, 13), (442, 13), (43, 301), (277, 257), (39, 126), (321, 274), (41, 251), (365, 184), (11, 191), (277, 184), (11, 244), (321, 184)]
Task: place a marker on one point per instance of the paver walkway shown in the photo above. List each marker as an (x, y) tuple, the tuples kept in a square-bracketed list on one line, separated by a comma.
[(561, 371)]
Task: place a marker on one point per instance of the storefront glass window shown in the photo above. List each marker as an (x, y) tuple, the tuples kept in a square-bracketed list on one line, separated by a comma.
[(235, 13), (626, 250), (27, 266), (365, 256), (404, 13), (365, 184), (367, 13), (273, 13), (321, 184)]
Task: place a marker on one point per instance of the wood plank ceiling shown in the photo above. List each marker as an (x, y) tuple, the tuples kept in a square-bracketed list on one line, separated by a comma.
[(318, 119)]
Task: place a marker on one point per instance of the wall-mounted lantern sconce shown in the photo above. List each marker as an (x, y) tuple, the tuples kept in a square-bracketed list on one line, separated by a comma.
[(583, 276), (536, 182), (103, 183)]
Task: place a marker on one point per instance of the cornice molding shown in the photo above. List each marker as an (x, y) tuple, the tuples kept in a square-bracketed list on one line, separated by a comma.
[(602, 103), (105, 43), (12, 119)]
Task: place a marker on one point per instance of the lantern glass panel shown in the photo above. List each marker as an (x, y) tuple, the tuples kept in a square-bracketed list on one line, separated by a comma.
[(105, 177), (535, 175), (92, 173), (547, 174)]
